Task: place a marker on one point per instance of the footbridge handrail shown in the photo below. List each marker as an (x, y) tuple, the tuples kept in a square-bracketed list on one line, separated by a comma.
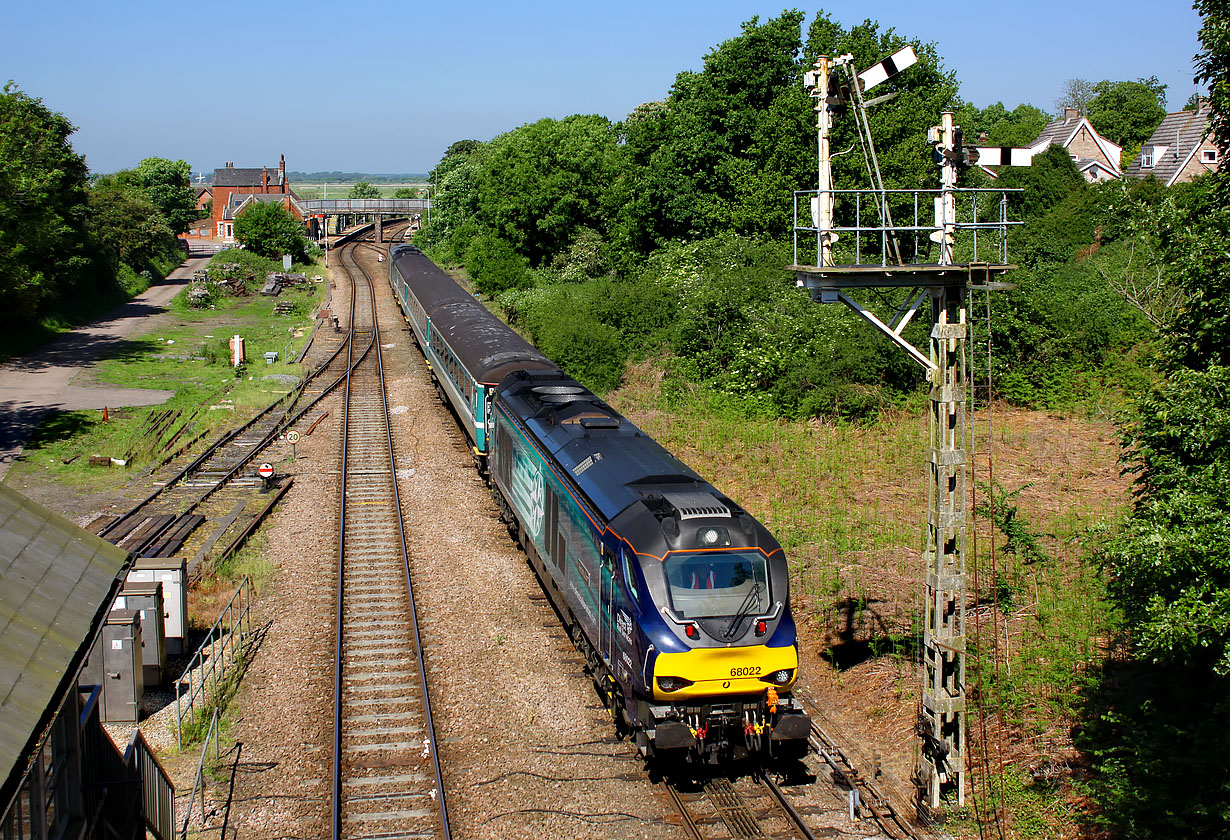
[(337, 206)]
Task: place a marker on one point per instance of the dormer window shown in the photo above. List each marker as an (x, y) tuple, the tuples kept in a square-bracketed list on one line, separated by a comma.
[(1208, 155), (1146, 157)]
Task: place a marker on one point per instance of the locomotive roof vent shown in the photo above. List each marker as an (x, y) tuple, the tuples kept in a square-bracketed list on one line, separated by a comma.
[(696, 505), (542, 390)]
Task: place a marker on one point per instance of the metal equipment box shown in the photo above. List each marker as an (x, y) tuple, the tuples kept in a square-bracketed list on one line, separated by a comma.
[(114, 664), (146, 599), (171, 572)]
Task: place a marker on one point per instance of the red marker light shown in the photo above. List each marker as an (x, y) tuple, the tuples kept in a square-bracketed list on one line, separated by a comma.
[(690, 629), (761, 627)]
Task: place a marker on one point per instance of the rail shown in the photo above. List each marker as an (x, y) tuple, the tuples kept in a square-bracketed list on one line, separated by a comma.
[(209, 666), (157, 792), (365, 436)]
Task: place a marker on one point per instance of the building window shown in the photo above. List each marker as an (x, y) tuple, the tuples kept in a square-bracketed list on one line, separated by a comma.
[(1146, 157), (1208, 156), (219, 228)]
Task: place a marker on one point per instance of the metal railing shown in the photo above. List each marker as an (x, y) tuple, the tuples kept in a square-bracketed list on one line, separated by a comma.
[(157, 792), (120, 792), (214, 659), (359, 206), (873, 224), (198, 781)]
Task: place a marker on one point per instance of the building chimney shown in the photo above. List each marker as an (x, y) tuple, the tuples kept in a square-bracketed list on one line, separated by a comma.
[(1070, 113), (282, 173), (265, 179)]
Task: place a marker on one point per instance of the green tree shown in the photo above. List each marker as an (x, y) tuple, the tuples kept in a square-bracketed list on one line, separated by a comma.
[(405, 192), (267, 228), (732, 141), (1158, 734), (363, 190), (1126, 113), (168, 185), (1001, 127), (1213, 66), (127, 226), (43, 207), (534, 188)]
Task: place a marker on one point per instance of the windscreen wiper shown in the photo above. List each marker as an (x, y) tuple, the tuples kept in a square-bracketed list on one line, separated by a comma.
[(751, 602)]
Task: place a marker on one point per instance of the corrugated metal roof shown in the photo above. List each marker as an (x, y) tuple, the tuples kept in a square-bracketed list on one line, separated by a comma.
[(56, 579)]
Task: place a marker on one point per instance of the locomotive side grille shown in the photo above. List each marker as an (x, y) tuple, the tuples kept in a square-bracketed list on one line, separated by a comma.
[(697, 505)]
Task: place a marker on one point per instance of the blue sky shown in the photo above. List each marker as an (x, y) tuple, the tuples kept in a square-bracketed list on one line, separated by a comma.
[(389, 90)]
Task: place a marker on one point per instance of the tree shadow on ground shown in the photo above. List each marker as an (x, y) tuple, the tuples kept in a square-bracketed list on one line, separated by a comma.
[(867, 634), (62, 425), (1158, 739)]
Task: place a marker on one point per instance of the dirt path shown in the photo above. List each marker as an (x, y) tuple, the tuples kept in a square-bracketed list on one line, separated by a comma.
[(42, 381)]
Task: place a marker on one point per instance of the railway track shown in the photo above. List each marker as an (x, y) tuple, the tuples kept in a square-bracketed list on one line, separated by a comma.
[(386, 779), (736, 806), (219, 487), (753, 805)]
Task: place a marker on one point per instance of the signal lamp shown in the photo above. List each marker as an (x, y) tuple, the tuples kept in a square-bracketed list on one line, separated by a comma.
[(691, 630)]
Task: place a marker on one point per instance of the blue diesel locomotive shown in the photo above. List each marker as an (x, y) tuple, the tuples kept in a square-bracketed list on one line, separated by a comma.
[(676, 596)]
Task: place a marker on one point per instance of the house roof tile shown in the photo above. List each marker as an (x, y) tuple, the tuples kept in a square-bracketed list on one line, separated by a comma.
[(1181, 133)]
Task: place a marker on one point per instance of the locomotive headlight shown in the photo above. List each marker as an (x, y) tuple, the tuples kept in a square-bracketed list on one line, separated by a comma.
[(712, 537), (673, 683), (779, 677)]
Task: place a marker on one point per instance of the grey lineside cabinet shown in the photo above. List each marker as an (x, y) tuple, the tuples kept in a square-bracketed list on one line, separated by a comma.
[(146, 599), (115, 665), (171, 572)]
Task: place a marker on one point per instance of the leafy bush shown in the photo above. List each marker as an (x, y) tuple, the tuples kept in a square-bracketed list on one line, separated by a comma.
[(269, 229), (495, 265)]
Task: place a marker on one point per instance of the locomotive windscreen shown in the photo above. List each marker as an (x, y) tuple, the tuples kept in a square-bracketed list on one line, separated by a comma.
[(717, 584)]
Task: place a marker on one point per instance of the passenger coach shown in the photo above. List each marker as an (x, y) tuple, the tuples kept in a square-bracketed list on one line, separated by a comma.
[(677, 597)]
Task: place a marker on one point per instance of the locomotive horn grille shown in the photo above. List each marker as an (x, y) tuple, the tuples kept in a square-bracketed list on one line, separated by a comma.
[(696, 505)]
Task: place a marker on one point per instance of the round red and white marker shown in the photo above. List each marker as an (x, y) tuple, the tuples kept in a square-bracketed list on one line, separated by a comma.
[(265, 471)]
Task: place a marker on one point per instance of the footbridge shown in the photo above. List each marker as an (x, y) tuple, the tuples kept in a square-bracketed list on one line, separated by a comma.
[(318, 210)]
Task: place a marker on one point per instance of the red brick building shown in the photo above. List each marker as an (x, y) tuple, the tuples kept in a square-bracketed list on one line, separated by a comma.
[(234, 189)]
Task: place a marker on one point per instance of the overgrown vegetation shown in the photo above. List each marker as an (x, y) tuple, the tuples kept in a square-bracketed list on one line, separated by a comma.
[(70, 247), (666, 234), (190, 358), (662, 237)]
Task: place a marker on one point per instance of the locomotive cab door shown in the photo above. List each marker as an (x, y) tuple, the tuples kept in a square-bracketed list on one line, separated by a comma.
[(606, 585)]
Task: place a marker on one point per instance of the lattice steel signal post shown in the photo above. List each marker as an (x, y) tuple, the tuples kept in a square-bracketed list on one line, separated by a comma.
[(944, 245)]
